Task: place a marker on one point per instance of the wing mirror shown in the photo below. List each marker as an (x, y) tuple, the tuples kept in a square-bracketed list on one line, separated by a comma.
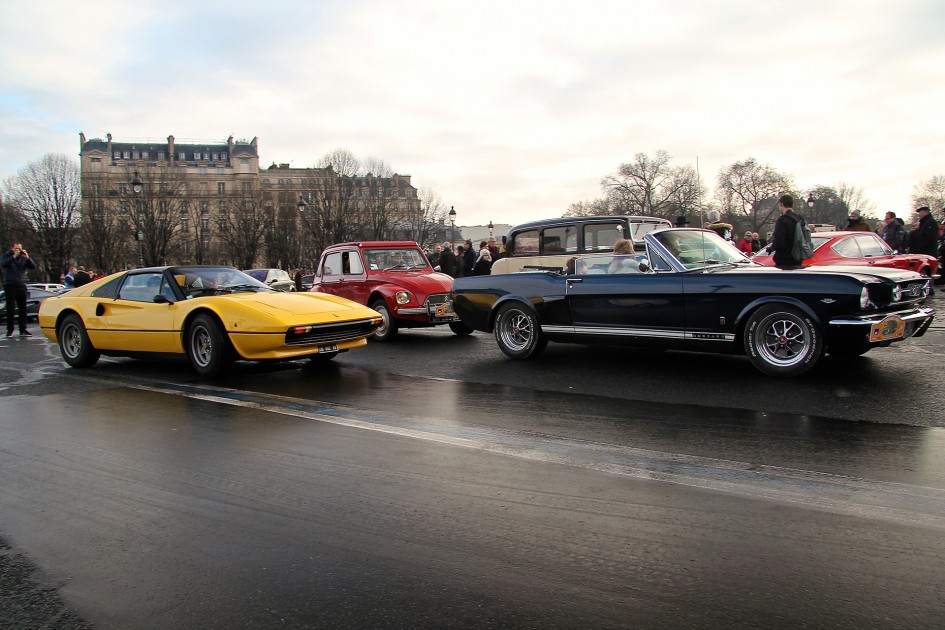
[(645, 266)]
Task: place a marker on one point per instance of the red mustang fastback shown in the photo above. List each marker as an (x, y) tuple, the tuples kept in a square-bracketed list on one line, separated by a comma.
[(859, 248), (392, 277)]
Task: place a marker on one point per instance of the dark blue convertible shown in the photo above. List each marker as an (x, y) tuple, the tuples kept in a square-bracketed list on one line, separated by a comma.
[(692, 290)]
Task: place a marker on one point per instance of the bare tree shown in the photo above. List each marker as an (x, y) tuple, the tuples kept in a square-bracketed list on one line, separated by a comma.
[(855, 199), (650, 186), (748, 190), (48, 193), (13, 225), (329, 210), (828, 206), (342, 162), (103, 236), (596, 207), (424, 221), (931, 193), (240, 226), (154, 212)]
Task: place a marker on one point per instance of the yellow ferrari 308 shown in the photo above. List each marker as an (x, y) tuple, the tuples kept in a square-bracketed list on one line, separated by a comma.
[(213, 315)]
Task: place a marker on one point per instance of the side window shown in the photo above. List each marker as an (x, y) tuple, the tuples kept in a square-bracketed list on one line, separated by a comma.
[(847, 248), (141, 287), (353, 264), (525, 243), (600, 237), (332, 264), (167, 291), (870, 246), (559, 240)]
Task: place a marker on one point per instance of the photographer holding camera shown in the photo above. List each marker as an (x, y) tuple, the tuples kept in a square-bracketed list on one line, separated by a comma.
[(15, 263)]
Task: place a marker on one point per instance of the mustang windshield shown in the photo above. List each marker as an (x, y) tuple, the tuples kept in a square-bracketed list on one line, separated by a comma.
[(696, 249)]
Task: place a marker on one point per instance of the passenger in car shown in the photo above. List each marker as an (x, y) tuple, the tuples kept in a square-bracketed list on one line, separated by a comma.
[(622, 248)]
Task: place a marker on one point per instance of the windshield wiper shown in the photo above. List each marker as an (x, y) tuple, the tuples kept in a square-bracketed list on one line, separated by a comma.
[(237, 288)]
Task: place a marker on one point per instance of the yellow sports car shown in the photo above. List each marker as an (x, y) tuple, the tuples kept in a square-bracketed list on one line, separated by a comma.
[(214, 315)]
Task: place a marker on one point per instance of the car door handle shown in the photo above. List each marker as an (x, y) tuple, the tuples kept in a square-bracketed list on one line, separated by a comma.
[(575, 280)]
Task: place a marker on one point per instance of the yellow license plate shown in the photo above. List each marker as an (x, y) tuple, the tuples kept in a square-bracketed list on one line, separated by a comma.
[(444, 310), (890, 328)]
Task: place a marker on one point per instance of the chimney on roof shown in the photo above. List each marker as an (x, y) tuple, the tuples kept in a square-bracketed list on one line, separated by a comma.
[(170, 147), (109, 137), (81, 141)]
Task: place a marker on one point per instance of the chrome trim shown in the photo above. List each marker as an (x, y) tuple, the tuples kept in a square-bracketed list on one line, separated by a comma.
[(920, 313), (615, 332), (411, 311)]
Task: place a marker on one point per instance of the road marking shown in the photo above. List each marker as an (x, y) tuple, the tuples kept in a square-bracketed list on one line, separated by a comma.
[(853, 496)]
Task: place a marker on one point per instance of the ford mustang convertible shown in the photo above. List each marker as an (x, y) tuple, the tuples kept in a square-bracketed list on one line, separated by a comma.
[(691, 290), (213, 315)]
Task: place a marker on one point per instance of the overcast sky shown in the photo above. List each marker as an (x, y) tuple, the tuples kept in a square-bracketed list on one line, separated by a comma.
[(509, 110)]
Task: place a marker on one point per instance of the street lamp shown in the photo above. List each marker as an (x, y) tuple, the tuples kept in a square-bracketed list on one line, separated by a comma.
[(301, 204), (490, 229), (136, 187), (810, 200), (452, 226)]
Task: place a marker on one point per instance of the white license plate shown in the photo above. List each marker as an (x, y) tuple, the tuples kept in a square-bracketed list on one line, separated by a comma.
[(332, 347)]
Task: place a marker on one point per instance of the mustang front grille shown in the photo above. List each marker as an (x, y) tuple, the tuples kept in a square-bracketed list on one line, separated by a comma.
[(330, 333)]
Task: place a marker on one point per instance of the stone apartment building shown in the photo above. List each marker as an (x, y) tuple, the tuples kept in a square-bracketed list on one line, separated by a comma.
[(209, 202)]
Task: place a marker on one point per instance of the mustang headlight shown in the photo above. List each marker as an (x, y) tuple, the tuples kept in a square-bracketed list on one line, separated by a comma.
[(865, 298), (402, 297), (897, 294)]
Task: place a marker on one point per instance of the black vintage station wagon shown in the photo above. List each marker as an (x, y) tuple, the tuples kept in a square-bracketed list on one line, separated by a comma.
[(689, 289)]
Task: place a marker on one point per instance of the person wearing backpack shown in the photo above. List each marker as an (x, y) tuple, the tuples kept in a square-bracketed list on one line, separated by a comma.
[(785, 235)]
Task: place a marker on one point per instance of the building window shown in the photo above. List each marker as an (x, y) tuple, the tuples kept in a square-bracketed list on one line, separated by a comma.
[(127, 155), (181, 155), (221, 170), (184, 226), (204, 207), (223, 223), (160, 155), (122, 189), (122, 207), (203, 188), (117, 155), (204, 225), (96, 188), (223, 156), (221, 188), (184, 207), (247, 187), (265, 182), (96, 160)]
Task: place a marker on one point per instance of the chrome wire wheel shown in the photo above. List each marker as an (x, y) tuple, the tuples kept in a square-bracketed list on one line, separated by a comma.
[(784, 342), (780, 340), (518, 332)]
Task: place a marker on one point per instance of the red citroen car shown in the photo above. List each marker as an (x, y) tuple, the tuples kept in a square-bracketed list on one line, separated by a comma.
[(392, 277), (859, 248)]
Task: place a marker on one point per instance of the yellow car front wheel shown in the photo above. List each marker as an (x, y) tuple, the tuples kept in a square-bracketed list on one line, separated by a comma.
[(207, 346)]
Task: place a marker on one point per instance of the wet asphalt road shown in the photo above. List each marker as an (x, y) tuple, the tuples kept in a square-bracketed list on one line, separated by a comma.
[(431, 483)]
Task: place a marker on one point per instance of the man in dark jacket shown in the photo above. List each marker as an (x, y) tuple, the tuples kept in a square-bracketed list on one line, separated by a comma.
[(448, 260), (893, 233), (924, 238), (782, 238), (15, 263), (469, 259)]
